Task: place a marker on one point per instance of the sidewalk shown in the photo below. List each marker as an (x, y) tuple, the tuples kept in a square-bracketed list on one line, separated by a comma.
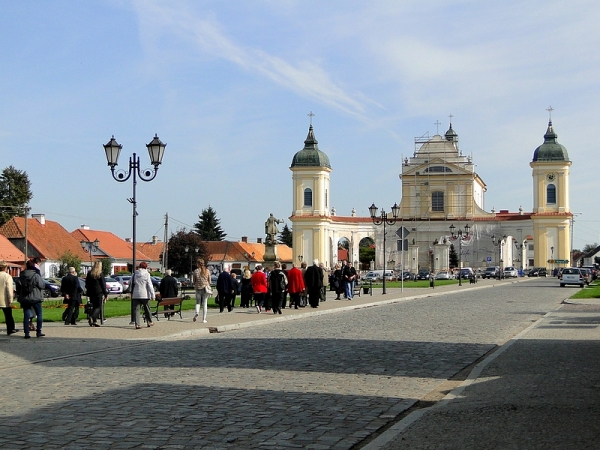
[(118, 328)]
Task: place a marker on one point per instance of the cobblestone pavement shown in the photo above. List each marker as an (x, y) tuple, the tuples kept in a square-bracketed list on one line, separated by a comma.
[(318, 380)]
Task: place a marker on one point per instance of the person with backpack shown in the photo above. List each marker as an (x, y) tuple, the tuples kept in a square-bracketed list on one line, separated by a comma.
[(31, 287), (277, 284)]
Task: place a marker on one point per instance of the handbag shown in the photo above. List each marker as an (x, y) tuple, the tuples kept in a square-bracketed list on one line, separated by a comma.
[(208, 289), (88, 308)]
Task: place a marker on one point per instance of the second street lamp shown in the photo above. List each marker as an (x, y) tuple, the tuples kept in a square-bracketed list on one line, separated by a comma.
[(156, 150), (383, 219), (90, 247), (460, 235), (187, 249)]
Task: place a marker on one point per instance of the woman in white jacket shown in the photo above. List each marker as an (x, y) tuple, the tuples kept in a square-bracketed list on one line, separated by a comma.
[(142, 293)]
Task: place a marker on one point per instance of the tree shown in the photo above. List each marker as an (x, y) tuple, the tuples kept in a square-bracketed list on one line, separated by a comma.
[(208, 227), (366, 251), (67, 260), (589, 247), (180, 260), (106, 266), (286, 236), (453, 257), (15, 193)]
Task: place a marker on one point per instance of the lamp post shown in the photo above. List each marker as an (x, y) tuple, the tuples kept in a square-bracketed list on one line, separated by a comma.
[(188, 250), (383, 219), (156, 150), (460, 235), (89, 246), (499, 243)]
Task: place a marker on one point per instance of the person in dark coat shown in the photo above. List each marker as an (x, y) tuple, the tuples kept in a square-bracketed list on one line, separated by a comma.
[(168, 289), (246, 289), (31, 287), (313, 279), (225, 288), (71, 290), (236, 289), (277, 286), (95, 285)]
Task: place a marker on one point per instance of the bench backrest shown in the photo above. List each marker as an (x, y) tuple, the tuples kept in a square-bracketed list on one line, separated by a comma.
[(170, 301)]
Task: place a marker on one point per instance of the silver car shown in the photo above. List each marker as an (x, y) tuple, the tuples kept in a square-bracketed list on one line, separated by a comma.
[(510, 272), (571, 275)]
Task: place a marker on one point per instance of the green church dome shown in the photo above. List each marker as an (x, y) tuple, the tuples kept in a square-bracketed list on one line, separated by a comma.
[(310, 155), (550, 150)]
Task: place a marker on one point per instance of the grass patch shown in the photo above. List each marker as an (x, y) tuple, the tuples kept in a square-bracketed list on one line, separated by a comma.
[(591, 291), (52, 310)]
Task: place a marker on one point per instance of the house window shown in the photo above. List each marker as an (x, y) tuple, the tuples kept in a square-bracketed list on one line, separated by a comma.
[(437, 201), (530, 248), (308, 197), (551, 194)]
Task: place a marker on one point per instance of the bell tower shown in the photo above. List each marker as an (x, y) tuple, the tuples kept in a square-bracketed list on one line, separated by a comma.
[(311, 206), (551, 209)]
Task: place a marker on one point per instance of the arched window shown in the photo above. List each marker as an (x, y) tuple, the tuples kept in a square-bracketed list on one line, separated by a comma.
[(551, 194), (308, 197), (437, 201)]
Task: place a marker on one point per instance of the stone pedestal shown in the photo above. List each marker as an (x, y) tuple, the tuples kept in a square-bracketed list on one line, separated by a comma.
[(270, 253)]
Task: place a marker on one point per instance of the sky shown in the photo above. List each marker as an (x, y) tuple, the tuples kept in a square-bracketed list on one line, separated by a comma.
[(229, 86)]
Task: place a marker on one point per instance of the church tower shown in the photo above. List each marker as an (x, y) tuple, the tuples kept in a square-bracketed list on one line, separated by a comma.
[(551, 210), (310, 216)]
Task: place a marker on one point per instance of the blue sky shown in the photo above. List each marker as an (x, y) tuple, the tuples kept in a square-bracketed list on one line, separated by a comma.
[(228, 86)]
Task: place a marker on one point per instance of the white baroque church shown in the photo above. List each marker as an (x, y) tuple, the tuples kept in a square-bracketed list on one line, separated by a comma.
[(441, 197)]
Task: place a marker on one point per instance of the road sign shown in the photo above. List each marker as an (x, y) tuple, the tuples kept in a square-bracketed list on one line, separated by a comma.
[(489, 259), (402, 232)]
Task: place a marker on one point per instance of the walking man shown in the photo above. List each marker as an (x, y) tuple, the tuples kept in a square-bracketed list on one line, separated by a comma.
[(277, 285), (225, 288), (313, 278)]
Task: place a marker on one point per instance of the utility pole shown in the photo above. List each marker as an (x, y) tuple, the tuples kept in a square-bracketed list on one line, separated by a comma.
[(165, 257)]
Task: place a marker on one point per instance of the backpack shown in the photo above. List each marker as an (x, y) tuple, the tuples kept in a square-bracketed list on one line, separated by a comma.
[(281, 283)]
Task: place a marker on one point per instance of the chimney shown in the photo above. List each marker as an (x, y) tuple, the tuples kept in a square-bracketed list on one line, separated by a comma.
[(259, 240), (83, 226), (154, 240), (41, 218), (245, 239)]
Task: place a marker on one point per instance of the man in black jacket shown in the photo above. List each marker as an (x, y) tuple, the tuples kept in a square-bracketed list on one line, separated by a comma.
[(71, 290), (225, 288), (168, 289), (313, 279), (277, 287)]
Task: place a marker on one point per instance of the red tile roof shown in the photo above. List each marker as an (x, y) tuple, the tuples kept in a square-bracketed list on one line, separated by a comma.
[(51, 241), (242, 251), (10, 253), (110, 244), (152, 250)]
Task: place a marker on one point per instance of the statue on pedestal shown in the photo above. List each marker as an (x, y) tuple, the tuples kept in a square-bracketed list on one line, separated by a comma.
[(271, 229)]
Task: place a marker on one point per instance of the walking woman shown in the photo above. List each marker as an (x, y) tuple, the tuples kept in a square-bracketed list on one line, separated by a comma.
[(95, 285), (201, 280), (246, 290), (143, 292), (259, 287)]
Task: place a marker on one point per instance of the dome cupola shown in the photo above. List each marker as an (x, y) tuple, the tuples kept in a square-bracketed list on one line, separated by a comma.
[(310, 155), (550, 150)]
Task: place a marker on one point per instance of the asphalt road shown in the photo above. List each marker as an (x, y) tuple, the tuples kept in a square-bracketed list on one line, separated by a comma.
[(328, 381)]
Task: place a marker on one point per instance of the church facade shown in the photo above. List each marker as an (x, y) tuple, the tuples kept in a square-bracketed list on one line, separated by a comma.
[(442, 205)]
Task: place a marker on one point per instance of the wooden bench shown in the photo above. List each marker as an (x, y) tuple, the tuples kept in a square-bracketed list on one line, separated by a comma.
[(173, 301)]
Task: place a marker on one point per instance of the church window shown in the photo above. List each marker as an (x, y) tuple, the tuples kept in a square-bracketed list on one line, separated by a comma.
[(551, 194), (438, 169), (308, 197), (437, 201)]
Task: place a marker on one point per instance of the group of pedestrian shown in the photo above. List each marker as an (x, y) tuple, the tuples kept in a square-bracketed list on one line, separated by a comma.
[(343, 279)]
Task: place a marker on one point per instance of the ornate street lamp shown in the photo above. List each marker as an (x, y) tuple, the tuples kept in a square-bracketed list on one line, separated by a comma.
[(90, 247), (383, 219), (156, 149), (196, 250), (460, 235)]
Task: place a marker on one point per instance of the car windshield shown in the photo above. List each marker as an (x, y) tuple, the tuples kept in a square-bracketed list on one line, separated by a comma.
[(109, 279), (570, 271)]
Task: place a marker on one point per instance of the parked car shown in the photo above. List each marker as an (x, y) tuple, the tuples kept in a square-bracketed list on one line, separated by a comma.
[(423, 275), (537, 272), (571, 275), (408, 276), (213, 280), (370, 277), (593, 270), (510, 272), (185, 283), (113, 286), (491, 272), (125, 281), (466, 273), (443, 275), (155, 282), (587, 275), (52, 289)]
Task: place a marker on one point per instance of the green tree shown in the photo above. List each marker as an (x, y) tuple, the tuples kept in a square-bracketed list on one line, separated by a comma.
[(366, 251), (106, 266), (179, 260), (453, 257), (208, 227), (67, 260), (589, 247), (286, 236), (15, 193)]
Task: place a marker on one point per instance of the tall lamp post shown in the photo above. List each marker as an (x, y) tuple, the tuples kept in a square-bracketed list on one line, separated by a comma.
[(499, 243), (460, 235), (188, 250), (156, 150), (89, 246), (383, 219)]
